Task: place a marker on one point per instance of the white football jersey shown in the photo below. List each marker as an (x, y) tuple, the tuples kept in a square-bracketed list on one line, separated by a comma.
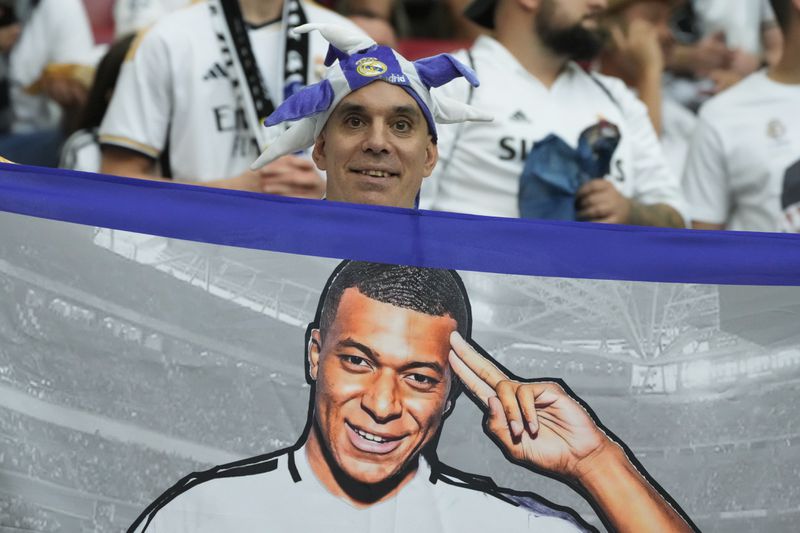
[(678, 124), (480, 164), (57, 33), (283, 495), (746, 142), (174, 91)]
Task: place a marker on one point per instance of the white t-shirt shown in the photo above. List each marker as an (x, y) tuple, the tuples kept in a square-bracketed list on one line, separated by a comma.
[(133, 15), (741, 21), (271, 495), (746, 139), (480, 175), (678, 124), (174, 90), (57, 33), (81, 151)]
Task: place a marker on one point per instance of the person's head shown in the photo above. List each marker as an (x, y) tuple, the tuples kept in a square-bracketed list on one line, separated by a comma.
[(787, 13), (372, 121), (379, 361), (567, 27), (658, 13), (376, 148)]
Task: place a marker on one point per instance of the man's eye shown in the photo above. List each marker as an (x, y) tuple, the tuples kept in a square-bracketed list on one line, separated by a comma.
[(354, 122), (354, 360), (402, 125), (423, 381)]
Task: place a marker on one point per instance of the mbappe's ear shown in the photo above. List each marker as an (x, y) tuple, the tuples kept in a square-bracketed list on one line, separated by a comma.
[(314, 347), (437, 70)]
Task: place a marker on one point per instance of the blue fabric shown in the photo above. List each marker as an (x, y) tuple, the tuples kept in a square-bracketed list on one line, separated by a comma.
[(443, 68), (554, 171), (307, 101), (401, 236)]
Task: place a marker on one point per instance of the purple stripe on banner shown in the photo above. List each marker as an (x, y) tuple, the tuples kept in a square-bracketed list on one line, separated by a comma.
[(422, 238)]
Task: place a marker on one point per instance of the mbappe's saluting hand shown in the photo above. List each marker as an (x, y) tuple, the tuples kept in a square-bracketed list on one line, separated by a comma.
[(539, 425), (536, 423)]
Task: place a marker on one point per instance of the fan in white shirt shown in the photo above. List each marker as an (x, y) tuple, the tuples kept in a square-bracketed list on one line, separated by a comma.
[(177, 97), (742, 168), (533, 89)]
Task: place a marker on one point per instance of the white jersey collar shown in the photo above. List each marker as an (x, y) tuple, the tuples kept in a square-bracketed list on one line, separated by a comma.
[(419, 482)]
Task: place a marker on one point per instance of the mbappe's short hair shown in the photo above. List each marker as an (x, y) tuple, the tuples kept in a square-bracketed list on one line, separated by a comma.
[(432, 291)]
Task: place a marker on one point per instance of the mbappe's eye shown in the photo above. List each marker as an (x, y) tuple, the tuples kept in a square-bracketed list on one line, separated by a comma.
[(421, 381), (354, 360)]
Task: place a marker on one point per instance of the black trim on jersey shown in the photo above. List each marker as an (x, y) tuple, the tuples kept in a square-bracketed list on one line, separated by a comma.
[(533, 502), (293, 468), (261, 464)]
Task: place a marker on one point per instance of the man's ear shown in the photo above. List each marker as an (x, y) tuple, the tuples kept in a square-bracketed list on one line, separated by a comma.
[(318, 153), (431, 158), (313, 351)]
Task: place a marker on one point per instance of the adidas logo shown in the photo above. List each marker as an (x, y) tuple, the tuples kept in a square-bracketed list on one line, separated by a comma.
[(215, 72), (519, 116)]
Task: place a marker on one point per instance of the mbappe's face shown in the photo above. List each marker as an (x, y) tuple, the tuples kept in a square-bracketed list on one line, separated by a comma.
[(382, 383)]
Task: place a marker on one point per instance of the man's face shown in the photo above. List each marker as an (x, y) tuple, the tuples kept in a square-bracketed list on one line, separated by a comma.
[(571, 27), (382, 383), (376, 148)]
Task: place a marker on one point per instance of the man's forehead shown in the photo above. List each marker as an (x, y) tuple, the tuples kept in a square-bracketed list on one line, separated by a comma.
[(380, 97)]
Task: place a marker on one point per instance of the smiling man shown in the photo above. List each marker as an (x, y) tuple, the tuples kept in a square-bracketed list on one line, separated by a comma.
[(372, 121), (376, 148), (536, 84), (386, 359)]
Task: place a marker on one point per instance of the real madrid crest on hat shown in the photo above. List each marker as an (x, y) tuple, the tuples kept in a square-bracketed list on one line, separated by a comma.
[(370, 67), (354, 60)]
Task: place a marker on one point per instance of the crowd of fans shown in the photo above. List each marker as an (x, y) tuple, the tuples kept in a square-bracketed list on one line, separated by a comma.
[(155, 109), (16, 514), (89, 463), (245, 408)]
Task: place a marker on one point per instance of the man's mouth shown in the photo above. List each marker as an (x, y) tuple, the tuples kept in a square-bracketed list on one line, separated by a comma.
[(370, 442), (375, 173)]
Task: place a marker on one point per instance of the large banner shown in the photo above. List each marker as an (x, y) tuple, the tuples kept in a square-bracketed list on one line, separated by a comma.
[(150, 330)]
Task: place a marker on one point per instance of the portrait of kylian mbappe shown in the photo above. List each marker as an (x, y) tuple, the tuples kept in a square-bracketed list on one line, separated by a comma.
[(387, 355)]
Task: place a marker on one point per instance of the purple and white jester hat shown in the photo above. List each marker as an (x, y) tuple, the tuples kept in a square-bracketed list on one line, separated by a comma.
[(355, 60)]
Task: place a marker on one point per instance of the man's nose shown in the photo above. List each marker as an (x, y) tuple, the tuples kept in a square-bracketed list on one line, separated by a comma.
[(377, 138), (382, 400)]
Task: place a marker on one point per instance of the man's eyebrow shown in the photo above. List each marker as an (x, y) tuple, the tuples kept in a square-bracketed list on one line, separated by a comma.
[(406, 110), (349, 342), (348, 107), (436, 367)]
